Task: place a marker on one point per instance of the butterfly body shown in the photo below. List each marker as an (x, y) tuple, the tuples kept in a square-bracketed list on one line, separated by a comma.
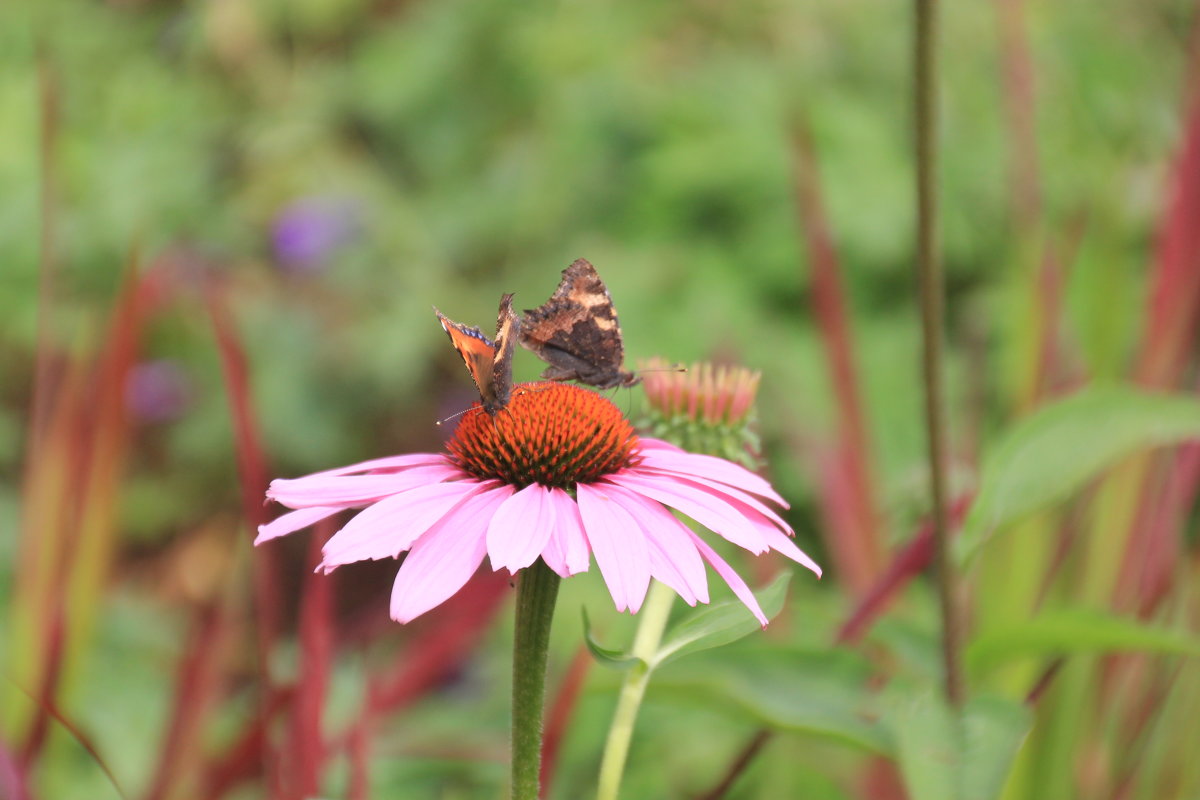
[(488, 361), (576, 332)]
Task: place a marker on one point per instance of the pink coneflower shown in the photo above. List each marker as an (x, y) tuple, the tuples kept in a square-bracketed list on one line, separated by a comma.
[(558, 474), (713, 395), (706, 409)]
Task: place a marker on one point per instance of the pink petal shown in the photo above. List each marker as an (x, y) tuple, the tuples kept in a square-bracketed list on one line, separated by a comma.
[(619, 545), (351, 490), (718, 469), (782, 544), (387, 463), (647, 443), (567, 551), (446, 557), (673, 556), (554, 556), (730, 493), (520, 528), (727, 573), (294, 521), (774, 537), (712, 511), (388, 528)]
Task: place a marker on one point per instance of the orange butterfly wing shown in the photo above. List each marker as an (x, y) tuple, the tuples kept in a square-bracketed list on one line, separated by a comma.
[(490, 363)]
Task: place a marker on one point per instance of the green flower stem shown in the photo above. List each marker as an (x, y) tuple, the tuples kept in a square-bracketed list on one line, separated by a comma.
[(932, 293), (652, 621), (536, 594)]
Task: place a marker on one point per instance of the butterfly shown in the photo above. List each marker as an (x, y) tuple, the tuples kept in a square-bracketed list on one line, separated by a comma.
[(576, 332), (490, 363)]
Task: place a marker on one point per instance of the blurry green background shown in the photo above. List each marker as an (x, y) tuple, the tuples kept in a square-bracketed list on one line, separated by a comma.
[(339, 166), (463, 149)]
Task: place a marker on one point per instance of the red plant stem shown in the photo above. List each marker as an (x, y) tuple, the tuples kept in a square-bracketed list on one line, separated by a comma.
[(1169, 341), (906, 565), (838, 515), (1049, 310), (1174, 301), (858, 544), (1169, 344), (47, 688), (1159, 523), (1043, 683), (1187, 468), (738, 766), (52, 711), (909, 562), (435, 654), (14, 779), (252, 468), (431, 656), (243, 759), (305, 753), (86, 432), (48, 543), (1016, 72), (1052, 373), (929, 272), (195, 691), (253, 473), (358, 747)]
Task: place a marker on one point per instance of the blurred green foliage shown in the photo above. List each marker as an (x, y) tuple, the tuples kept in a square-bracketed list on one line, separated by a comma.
[(480, 147)]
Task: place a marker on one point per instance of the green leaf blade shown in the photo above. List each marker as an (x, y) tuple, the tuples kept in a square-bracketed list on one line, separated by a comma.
[(811, 692), (947, 756), (1075, 631), (1056, 451), (928, 743), (721, 623), (995, 727), (609, 657)]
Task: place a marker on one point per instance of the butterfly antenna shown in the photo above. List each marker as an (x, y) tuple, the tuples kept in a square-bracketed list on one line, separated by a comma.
[(672, 368), (452, 416)]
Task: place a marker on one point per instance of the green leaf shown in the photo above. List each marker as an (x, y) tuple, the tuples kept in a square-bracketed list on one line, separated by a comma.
[(996, 727), (821, 693), (1056, 633), (927, 738), (616, 659), (1053, 453), (943, 756), (721, 623)]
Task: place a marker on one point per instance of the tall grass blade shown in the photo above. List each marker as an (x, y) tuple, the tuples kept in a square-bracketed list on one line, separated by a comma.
[(1053, 453)]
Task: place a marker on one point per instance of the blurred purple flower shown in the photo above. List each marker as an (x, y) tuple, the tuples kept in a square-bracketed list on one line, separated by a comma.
[(157, 391), (307, 231)]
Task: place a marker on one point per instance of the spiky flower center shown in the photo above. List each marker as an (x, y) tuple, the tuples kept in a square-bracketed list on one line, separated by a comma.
[(549, 433)]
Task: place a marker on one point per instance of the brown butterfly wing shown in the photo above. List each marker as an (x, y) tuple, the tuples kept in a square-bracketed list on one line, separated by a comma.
[(490, 363), (577, 333), (507, 333)]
